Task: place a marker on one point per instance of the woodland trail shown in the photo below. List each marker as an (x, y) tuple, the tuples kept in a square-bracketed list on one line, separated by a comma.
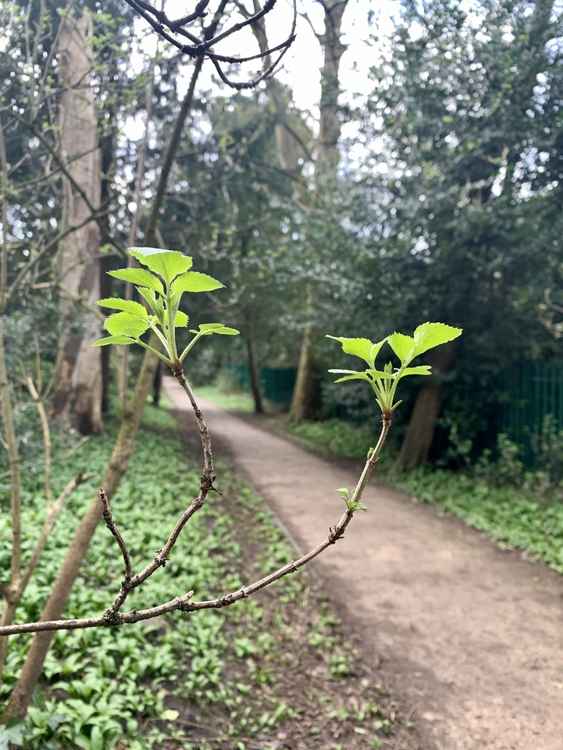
[(467, 635)]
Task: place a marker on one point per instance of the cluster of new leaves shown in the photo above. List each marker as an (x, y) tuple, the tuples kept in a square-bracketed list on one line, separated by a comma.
[(384, 381), (161, 284)]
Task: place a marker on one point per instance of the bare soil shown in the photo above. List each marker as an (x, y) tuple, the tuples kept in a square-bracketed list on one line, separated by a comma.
[(467, 635)]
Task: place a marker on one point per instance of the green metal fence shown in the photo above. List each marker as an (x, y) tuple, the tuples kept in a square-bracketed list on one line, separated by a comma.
[(535, 390), (277, 382)]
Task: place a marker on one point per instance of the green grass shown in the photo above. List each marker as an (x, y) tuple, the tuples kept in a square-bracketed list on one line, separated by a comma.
[(231, 678), (336, 437), (511, 516), (241, 402)]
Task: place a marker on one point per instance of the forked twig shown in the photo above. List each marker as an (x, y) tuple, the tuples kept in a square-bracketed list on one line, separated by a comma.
[(198, 41), (113, 616)]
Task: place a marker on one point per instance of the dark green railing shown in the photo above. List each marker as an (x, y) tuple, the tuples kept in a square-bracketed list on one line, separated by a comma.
[(534, 390), (276, 382)]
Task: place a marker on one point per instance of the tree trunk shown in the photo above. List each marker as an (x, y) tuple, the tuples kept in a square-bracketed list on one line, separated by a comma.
[(254, 376), (420, 432), (123, 448), (325, 176), (78, 369), (157, 384), (9, 436), (123, 351), (301, 404)]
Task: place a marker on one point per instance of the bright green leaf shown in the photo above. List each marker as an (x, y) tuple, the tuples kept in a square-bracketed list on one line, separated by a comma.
[(420, 370), (139, 277), (124, 324), (125, 340), (429, 335), (208, 328), (149, 296), (128, 305), (193, 281), (402, 345), (350, 375), (166, 263), (181, 320), (362, 348)]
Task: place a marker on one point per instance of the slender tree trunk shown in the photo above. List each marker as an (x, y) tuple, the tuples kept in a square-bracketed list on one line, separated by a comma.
[(302, 392), (108, 143), (157, 384), (7, 412), (78, 370), (123, 369), (417, 443), (9, 435), (325, 177), (254, 375)]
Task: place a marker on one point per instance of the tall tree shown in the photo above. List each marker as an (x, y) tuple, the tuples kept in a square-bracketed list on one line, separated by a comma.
[(326, 164), (78, 369), (463, 111)]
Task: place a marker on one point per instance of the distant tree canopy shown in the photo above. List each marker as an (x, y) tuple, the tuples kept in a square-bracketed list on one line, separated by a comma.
[(445, 203)]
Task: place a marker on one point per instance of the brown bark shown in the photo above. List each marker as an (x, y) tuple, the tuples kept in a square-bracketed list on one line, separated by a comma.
[(123, 448), (302, 393), (157, 384), (254, 376), (330, 125), (420, 432), (78, 370), (326, 165), (7, 412)]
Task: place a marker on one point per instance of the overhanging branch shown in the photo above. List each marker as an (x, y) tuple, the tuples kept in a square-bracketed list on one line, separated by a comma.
[(193, 38)]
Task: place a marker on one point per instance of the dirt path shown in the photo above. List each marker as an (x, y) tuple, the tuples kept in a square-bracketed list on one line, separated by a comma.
[(470, 636)]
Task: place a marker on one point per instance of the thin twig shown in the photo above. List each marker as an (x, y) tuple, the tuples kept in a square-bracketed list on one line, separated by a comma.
[(184, 603), (110, 523), (200, 47), (131, 582), (40, 406)]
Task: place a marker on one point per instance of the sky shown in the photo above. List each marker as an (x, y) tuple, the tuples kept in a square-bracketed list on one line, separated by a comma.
[(301, 65)]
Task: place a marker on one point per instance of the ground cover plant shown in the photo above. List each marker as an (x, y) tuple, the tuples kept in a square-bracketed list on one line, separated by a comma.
[(223, 679)]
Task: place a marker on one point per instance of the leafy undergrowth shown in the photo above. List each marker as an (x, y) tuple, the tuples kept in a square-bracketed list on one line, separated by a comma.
[(276, 671), (336, 437), (511, 516)]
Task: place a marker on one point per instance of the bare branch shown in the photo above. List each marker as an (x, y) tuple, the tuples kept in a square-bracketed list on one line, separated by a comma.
[(110, 523), (113, 617), (201, 45), (40, 406)]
